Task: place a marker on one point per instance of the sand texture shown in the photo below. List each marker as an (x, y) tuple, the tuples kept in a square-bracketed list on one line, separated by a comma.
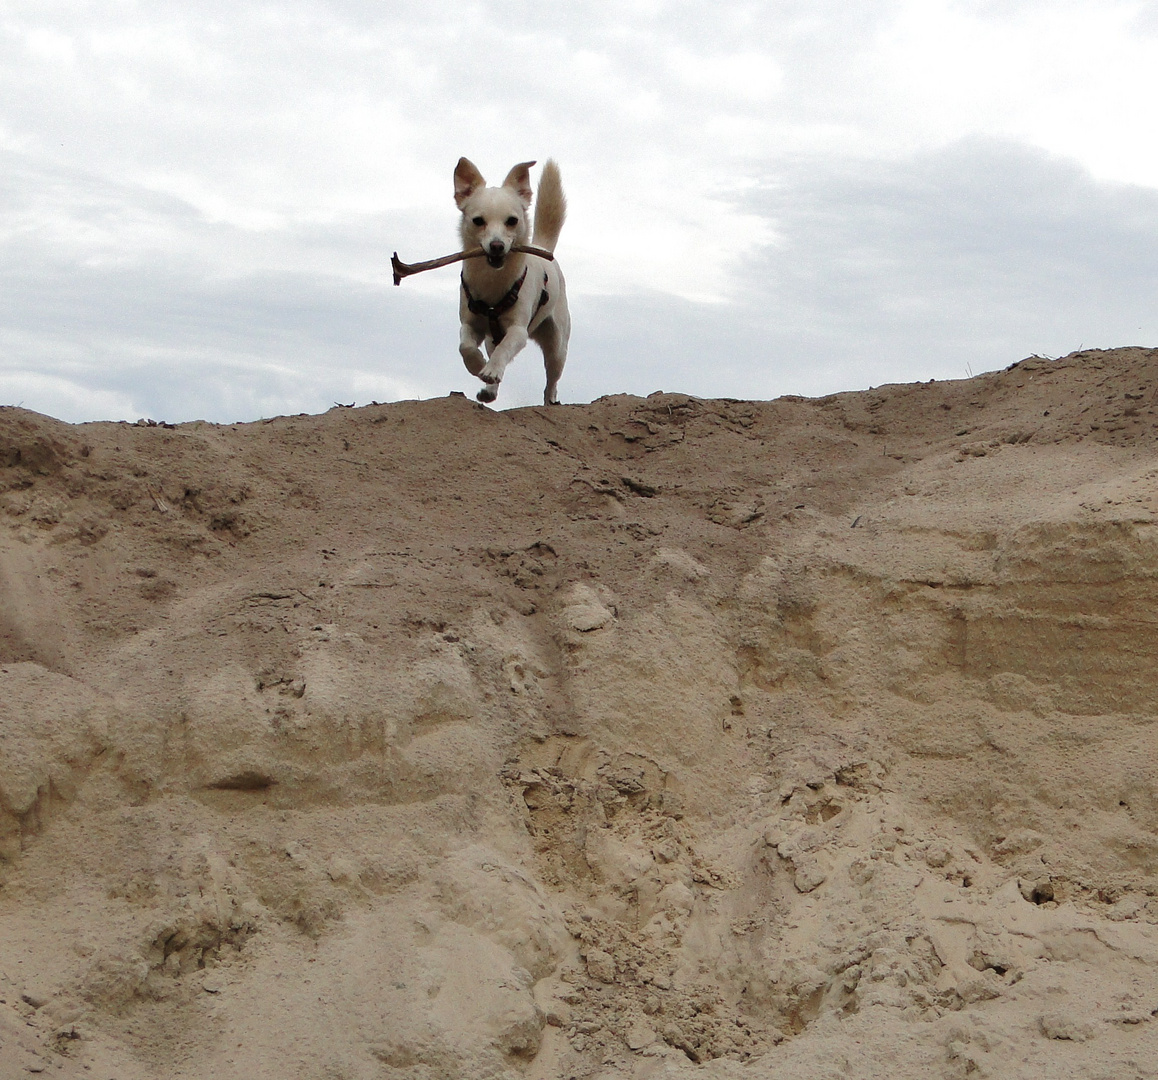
[(654, 738)]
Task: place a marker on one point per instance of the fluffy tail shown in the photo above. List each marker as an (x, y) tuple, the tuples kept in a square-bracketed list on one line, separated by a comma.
[(550, 207)]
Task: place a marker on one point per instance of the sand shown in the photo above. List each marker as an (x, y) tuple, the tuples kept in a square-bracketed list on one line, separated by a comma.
[(649, 738)]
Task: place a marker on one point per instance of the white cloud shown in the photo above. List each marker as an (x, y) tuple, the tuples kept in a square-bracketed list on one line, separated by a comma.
[(1071, 77), (61, 397)]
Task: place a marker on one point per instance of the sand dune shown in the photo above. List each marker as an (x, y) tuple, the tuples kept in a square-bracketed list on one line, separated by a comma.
[(649, 738)]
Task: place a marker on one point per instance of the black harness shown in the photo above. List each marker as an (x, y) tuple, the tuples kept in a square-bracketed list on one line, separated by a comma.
[(491, 312)]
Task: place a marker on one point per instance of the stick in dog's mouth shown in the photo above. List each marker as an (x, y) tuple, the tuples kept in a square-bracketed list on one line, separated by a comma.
[(402, 269)]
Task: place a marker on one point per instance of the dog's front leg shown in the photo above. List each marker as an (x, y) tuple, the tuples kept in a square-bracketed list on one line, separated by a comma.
[(492, 372), (469, 340)]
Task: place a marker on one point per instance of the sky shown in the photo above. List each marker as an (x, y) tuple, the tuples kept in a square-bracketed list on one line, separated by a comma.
[(198, 202)]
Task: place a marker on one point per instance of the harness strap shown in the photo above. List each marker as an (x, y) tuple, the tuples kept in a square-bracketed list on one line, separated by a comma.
[(491, 312)]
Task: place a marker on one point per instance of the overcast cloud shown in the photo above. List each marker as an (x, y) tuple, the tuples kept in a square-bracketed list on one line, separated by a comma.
[(198, 202)]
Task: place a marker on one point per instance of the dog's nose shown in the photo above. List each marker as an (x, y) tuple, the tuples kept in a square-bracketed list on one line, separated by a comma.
[(496, 247)]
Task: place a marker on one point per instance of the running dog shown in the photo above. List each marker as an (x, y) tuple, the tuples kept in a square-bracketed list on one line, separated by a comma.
[(510, 296)]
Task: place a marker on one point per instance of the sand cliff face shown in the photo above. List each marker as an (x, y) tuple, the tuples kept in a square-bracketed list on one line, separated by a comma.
[(651, 737)]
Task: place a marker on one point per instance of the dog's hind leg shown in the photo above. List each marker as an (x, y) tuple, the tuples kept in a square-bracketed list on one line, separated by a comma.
[(552, 339)]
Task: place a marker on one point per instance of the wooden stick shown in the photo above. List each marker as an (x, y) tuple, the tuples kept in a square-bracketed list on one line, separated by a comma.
[(402, 269)]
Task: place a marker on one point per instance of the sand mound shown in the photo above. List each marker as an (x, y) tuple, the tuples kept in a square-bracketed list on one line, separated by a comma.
[(649, 738)]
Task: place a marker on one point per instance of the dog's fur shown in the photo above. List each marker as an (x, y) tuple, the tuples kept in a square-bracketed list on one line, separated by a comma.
[(495, 218)]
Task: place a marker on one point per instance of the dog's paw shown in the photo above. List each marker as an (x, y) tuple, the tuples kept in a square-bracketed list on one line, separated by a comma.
[(488, 393), (489, 375)]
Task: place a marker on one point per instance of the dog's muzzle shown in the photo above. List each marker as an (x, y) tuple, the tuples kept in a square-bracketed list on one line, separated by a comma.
[(496, 254)]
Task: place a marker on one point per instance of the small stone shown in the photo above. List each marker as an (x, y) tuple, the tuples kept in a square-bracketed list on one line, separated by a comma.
[(340, 870), (587, 612), (801, 843), (808, 875), (588, 617), (213, 983), (1062, 1025), (673, 1034), (984, 986), (666, 851), (1036, 891), (938, 855), (557, 1015), (775, 835), (601, 965), (676, 899), (640, 1035)]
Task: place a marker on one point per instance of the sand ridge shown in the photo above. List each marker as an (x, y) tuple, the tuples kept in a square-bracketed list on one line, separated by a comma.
[(647, 738)]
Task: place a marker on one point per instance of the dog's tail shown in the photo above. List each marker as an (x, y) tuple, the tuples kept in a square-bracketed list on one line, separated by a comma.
[(550, 207)]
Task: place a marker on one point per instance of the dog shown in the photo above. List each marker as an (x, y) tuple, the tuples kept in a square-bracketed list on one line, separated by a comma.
[(511, 296)]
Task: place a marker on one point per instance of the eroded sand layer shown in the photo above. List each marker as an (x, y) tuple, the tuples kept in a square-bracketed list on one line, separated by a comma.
[(650, 738)]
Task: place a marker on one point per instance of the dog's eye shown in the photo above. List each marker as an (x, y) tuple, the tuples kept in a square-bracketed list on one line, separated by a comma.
[(480, 222), (512, 222)]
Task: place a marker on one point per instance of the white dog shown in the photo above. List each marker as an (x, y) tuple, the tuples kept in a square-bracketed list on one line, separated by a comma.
[(510, 296)]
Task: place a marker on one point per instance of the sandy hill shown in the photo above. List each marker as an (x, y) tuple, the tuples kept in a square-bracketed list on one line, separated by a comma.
[(649, 738)]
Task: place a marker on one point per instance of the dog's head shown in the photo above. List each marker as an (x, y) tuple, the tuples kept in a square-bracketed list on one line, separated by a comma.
[(494, 218)]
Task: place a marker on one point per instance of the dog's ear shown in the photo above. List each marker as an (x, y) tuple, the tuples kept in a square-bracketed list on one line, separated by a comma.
[(519, 181), (467, 180)]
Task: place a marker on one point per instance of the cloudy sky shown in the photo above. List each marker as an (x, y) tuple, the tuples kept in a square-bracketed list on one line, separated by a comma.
[(198, 201)]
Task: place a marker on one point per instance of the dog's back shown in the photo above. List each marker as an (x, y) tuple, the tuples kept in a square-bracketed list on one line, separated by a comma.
[(550, 207)]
